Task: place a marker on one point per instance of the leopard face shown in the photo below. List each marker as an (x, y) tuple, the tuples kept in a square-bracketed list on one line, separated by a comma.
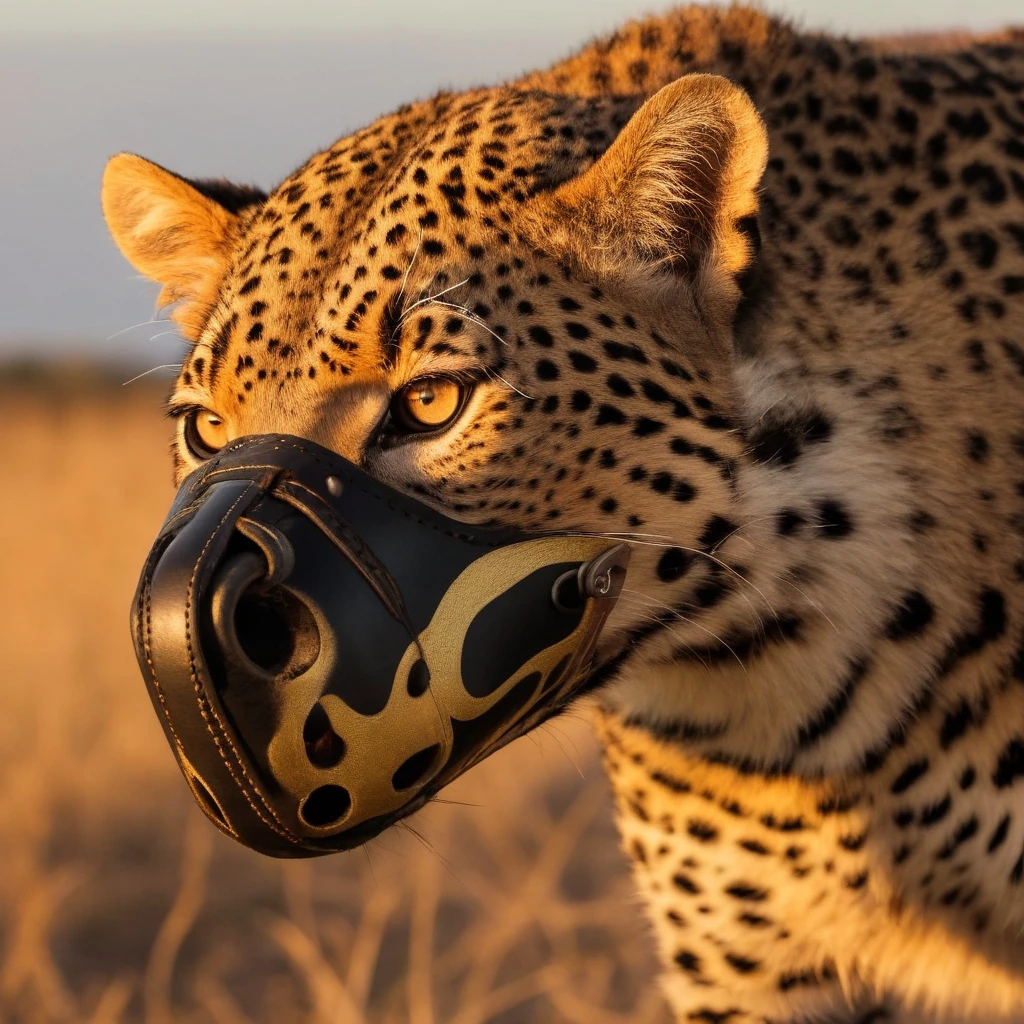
[(514, 305)]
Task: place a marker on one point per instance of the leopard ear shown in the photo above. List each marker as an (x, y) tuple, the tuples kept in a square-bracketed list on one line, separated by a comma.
[(174, 231), (676, 191)]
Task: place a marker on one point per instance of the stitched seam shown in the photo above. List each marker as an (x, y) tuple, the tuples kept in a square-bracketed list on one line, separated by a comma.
[(362, 488), (147, 647), (210, 720)]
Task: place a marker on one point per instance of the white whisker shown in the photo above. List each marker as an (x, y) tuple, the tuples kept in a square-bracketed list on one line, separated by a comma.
[(512, 387), (471, 317), (152, 369), (163, 320), (693, 551), (429, 298)]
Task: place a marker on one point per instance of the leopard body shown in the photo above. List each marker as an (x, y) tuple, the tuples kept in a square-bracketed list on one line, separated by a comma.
[(753, 301)]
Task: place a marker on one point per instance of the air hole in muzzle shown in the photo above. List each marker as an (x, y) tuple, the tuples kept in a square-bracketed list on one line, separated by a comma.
[(206, 801), (324, 747), (565, 593), (264, 633), (325, 806), (267, 627), (413, 769)]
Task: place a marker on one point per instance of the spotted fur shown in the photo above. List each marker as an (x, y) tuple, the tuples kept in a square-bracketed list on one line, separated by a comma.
[(754, 301)]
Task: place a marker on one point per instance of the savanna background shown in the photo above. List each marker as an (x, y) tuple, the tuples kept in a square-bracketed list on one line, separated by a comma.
[(506, 902)]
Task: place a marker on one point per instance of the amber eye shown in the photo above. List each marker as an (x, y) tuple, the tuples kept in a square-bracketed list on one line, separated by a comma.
[(205, 433), (428, 404)]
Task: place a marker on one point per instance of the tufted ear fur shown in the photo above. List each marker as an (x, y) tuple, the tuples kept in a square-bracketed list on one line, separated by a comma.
[(676, 191), (174, 231)]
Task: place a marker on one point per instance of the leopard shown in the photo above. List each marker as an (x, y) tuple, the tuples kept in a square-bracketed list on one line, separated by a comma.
[(749, 299)]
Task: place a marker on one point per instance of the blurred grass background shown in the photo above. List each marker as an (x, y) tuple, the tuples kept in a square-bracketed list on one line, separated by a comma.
[(120, 902)]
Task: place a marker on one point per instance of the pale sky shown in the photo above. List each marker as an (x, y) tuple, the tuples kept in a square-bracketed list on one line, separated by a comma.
[(248, 89), (100, 17)]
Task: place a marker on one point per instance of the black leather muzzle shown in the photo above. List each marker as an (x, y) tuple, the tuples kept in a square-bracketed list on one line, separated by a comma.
[(325, 653)]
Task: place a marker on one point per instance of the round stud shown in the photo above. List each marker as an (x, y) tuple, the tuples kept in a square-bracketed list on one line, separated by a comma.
[(334, 487)]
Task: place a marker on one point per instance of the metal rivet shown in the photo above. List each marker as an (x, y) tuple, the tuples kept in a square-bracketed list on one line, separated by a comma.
[(603, 583), (334, 487)]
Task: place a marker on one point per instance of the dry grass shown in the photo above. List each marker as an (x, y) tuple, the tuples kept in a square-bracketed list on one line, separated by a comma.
[(118, 902)]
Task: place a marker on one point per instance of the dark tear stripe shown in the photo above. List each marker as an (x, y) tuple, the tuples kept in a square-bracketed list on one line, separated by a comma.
[(219, 348), (829, 717), (390, 337)]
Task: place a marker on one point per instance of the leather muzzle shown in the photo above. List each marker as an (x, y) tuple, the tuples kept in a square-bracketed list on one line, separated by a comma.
[(325, 653)]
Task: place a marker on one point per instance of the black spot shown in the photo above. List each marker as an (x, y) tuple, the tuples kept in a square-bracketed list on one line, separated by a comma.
[(686, 884), (977, 446), (999, 834), (847, 162), (702, 831), (911, 774), (981, 247), (609, 414), (645, 426), (716, 531), (777, 444), (1010, 765), (918, 89), (937, 811), (582, 362), (688, 961), (1017, 873), (965, 830), (747, 892), (705, 1015), (618, 385), (956, 723), (968, 126), (985, 181), (912, 618), (673, 564), (541, 336), (742, 964), (864, 68), (833, 520), (788, 521)]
